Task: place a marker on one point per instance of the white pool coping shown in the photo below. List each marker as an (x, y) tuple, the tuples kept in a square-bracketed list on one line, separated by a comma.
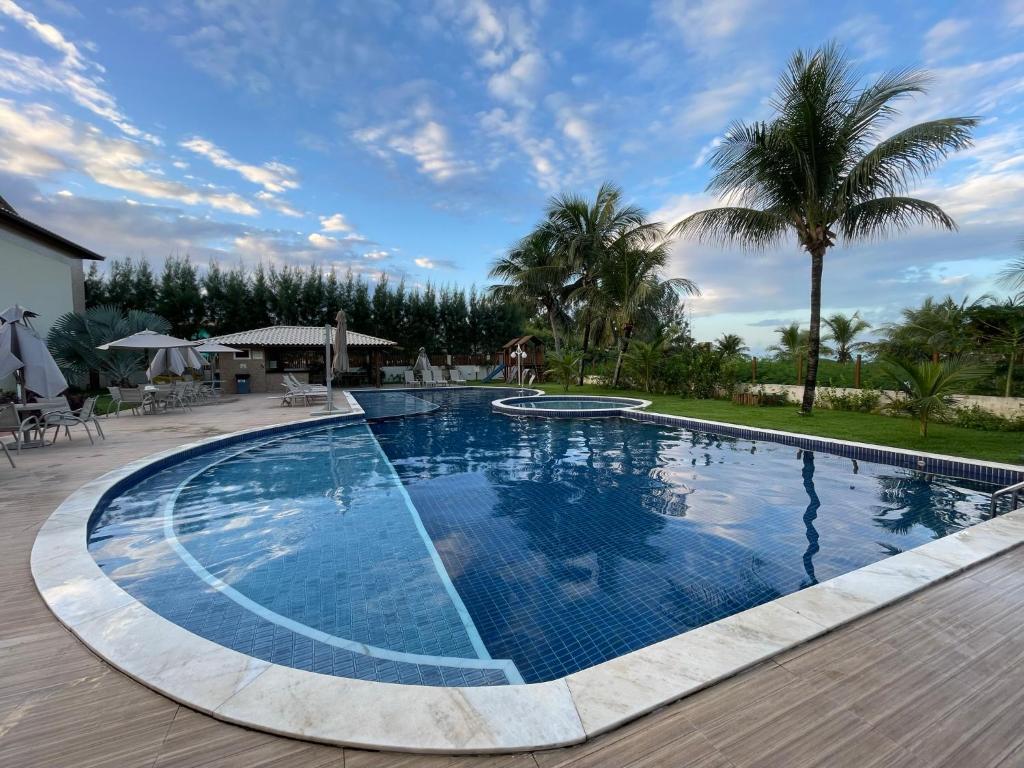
[(504, 405), (240, 689)]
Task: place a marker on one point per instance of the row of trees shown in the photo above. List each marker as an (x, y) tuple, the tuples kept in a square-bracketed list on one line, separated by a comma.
[(593, 269), (225, 300)]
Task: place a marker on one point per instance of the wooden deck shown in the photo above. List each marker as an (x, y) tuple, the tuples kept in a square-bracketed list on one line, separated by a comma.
[(937, 680)]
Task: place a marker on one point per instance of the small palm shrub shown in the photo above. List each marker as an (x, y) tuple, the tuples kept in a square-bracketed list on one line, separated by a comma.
[(927, 388), (564, 366)]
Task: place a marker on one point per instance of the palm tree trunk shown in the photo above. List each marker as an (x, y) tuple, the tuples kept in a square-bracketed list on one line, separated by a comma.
[(814, 333), (554, 331), (1009, 371), (627, 331), (586, 344)]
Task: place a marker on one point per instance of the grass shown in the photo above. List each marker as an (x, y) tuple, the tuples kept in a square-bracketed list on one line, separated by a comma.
[(1007, 447)]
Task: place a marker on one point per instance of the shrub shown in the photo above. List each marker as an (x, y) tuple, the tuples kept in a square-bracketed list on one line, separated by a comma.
[(975, 417), (859, 400), (767, 399)]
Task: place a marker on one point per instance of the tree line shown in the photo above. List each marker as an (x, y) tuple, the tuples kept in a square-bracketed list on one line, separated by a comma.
[(221, 300)]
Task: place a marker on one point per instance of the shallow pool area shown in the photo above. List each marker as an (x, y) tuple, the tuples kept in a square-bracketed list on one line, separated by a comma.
[(460, 547)]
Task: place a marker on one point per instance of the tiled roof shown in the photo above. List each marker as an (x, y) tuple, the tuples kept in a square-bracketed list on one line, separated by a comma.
[(294, 336)]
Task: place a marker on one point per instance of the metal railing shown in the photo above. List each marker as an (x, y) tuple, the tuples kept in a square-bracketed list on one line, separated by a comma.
[(1015, 492)]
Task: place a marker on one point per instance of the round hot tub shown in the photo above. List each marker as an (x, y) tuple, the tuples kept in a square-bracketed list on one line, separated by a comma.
[(568, 405)]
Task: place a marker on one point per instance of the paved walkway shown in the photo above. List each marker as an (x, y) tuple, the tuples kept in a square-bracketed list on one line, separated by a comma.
[(937, 680)]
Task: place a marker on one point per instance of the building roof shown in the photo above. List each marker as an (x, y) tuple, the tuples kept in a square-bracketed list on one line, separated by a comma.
[(11, 219), (527, 339), (294, 336)]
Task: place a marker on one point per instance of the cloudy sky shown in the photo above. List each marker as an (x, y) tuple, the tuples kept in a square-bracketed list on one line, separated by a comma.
[(420, 138)]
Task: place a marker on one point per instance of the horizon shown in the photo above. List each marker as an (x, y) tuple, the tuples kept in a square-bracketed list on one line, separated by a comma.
[(421, 144)]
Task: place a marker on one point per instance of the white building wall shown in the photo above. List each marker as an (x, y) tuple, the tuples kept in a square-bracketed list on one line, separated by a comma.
[(40, 279)]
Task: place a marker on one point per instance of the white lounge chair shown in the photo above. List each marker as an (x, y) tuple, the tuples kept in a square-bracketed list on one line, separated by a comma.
[(410, 379), (457, 377)]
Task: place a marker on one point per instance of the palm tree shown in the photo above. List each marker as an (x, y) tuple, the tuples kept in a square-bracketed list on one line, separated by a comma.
[(731, 346), (643, 358), (534, 276), (792, 341), (816, 171), (843, 329), (933, 330), (562, 365), (629, 281), (585, 232), (928, 387), (74, 338)]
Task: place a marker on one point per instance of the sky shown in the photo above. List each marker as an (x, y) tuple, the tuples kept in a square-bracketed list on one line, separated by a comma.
[(421, 138)]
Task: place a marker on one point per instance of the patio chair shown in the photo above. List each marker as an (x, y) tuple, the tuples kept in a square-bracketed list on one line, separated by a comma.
[(115, 400), (428, 377), (7, 453), (19, 428), (457, 378), (82, 417), (410, 379), (441, 378), (132, 398)]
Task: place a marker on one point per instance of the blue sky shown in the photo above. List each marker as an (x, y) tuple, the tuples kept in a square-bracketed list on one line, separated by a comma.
[(422, 138)]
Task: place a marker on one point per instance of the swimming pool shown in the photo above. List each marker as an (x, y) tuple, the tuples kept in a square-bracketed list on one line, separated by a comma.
[(567, 405), (459, 547)]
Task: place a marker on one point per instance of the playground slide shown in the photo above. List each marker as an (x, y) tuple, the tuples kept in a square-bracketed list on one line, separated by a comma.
[(495, 372)]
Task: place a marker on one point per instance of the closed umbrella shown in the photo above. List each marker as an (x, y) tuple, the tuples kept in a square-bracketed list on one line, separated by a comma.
[(168, 360), (192, 358), (422, 361), (21, 344), (340, 363)]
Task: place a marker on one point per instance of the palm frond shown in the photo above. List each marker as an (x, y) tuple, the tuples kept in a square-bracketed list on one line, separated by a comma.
[(877, 217), (746, 226)]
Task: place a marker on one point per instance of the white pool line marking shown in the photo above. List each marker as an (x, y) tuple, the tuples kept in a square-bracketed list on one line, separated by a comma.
[(505, 665)]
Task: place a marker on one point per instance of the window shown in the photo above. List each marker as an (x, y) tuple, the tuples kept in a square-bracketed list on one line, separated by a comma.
[(242, 354)]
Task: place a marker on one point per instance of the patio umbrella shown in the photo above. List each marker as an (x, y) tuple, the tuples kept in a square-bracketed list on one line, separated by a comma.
[(147, 340), (166, 360), (340, 363), (192, 358), (422, 361), (22, 350)]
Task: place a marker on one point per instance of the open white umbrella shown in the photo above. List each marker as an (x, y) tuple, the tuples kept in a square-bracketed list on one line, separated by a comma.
[(147, 340), (22, 350), (214, 347), (340, 362)]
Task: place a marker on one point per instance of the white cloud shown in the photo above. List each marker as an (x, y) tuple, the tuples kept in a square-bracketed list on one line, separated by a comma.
[(517, 84), (865, 34), (425, 263), (376, 255), (74, 75), (322, 241), (705, 24), (279, 205), (942, 40), (541, 153), (1015, 12), (37, 142), (272, 176), (335, 223), (420, 137)]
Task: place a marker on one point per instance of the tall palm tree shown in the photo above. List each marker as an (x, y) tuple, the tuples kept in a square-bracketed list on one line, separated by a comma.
[(843, 329), (585, 232), (534, 275), (933, 330), (730, 346), (818, 171), (629, 281)]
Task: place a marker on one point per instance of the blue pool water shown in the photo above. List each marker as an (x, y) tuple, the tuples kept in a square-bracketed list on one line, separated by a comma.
[(464, 547)]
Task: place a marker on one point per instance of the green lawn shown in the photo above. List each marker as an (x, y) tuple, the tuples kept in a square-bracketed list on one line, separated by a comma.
[(1006, 447)]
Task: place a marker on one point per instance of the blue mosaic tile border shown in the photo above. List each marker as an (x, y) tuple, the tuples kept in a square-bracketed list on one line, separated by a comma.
[(983, 472)]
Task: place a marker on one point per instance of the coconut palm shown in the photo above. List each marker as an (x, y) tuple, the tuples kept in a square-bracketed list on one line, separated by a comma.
[(642, 360), (934, 330), (792, 342), (818, 171), (533, 275), (585, 232), (843, 329), (629, 281), (731, 346), (928, 387)]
